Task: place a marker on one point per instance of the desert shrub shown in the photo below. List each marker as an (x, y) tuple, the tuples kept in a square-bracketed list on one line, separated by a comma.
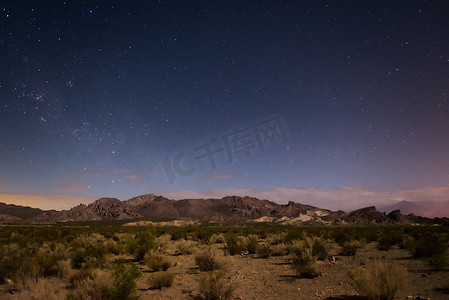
[(160, 280), (96, 287), (251, 244), (115, 285), (124, 280), (37, 289), (204, 234), (305, 264), (365, 234), (216, 238), (380, 280), (350, 248), (13, 260), (429, 245), (114, 247), (211, 286), (275, 239), (44, 262), (407, 242), (163, 242), (264, 251), (95, 255), (388, 239), (206, 262), (341, 235), (156, 262), (298, 246), (279, 250), (320, 248), (143, 242), (185, 247), (233, 244), (64, 268), (85, 272)]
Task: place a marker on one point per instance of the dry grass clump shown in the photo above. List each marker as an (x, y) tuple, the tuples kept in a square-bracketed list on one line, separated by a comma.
[(163, 241), (234, 244), (64, 268), (156, 262), (275, 239), (212, 287), (303, 261), (206, 262), (114, 285), (216, 238), (85, 272), (37, 289), (350, 248), (279, 249), (185, 247), (160, 280), (305, 264), (264, 251), (320, 248), (251, 243), (45, 261), (379, 280)]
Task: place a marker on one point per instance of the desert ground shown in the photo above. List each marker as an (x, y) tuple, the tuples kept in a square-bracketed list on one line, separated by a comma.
[(215, 262)]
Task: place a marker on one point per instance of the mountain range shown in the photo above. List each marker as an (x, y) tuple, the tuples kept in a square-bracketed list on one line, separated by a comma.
[(226, 209)]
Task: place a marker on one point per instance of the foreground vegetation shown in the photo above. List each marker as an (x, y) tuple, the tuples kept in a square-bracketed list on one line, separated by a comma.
[(100, 261)]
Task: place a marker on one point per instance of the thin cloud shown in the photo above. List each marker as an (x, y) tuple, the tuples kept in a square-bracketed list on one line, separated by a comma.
[(44, 201), (74, 187), (122, 171), (3, 183), (221, 176), (92, 174), (133, 178)]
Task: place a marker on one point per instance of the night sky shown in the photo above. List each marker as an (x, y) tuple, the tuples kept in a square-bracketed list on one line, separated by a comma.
[(180, 97)]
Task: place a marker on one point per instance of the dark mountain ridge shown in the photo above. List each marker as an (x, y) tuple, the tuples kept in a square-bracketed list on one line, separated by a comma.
[(229, 208)]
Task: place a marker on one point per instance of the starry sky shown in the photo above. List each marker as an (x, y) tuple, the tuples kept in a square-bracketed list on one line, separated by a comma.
[(122, 98)]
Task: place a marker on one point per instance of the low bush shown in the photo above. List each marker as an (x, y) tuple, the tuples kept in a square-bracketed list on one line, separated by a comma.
[(233, 243), (160, 280), (156, 262), (264, 251), (37, 289), (429, 245), (320, 248), (379, 281), (305, 264), (251, 244), (216, 238), (85, 272), (279, 250), (407, 242), (116, 285), (206, 262), (387, 240), (211, 286), (185, 247), (45, 261), (13, 260), (143, 242), (163, 242), (350, 248)]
